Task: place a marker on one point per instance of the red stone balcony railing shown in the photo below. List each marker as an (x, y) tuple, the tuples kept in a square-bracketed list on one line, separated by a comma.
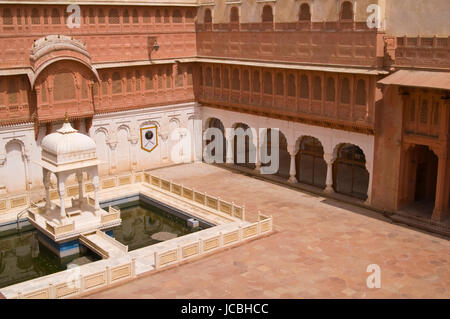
[(431, 52), (13, 114), (353, 45), (349, 116)]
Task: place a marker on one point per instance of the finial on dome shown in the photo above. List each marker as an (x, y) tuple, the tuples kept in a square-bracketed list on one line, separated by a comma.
[(66, 119)]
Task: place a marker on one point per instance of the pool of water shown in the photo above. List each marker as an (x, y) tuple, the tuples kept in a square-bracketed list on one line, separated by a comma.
[(144, 224), (23, 257)]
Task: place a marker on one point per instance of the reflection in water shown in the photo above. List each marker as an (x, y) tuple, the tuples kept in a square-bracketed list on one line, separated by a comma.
[(23, 257), (141, 221)]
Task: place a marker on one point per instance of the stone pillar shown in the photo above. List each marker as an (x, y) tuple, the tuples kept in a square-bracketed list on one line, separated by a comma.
[(329, 180), (440, 211), (230, 143), (95, 182), (292, 168), (80, 186), (61, 192), (46, 180)]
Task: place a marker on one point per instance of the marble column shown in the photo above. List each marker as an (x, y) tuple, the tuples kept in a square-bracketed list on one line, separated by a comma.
[(80, 186), (46, 180), (329, 179), (61, 192), (230, 145), (292, 168)]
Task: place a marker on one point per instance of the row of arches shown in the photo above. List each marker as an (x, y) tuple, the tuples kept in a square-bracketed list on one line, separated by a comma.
[(304, 13), (344, 172)]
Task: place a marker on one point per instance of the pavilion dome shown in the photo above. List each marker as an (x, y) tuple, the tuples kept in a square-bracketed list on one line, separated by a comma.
[(67, 146)]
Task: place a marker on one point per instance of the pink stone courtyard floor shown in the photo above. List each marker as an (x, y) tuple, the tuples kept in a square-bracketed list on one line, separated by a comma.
[(320, 249)]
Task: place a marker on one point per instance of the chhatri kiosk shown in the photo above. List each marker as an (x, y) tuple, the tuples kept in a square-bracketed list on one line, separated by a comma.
[(62, 222)]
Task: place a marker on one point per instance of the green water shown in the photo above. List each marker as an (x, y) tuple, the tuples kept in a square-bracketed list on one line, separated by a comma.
[(141, 221), (23, 257)]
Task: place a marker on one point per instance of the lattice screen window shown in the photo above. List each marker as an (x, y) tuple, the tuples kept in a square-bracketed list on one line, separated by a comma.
[(138, 80), (13, 92), (245, 80), (55, 16), (361, 92), (412, 111), (268, 83), (135, 16), (189, 76), (113, 17), (7, 17), (44, 92), (166, 16), (91, 16), (149, 80), (45, 16), (146, 16), (160, 79), (179, 79), (189, 16), (158, 16), (169, 78), (84, 89), (267, 15), (177, 18), (226, 79), (116, 83), (345, 91), (208, 16), (304, 87), (126, 17), (63, 87), (305, 13), (256, 82), (424, 112), (331, 90), (19, 17), (280, 84), (347, 11), (436, 113), (235, 82), (291, 85), (101, 16), (129, 83), (35, 18), (317, 92), (234, 15), (105, 85)]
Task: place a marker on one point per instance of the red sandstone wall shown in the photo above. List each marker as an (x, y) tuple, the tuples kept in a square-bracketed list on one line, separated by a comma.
[(387, 156)]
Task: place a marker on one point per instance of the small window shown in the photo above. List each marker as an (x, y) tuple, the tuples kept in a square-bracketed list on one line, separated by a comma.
[(256, 82), (304, 87), (305, 13), (361, 92), (113, 17), (135, 16), (177, 18), (424, 112), (179, 79), (208, 76), (345, 91), (331, 91), (116, 83), (101, 16), (347, 11), (245, 80), (236, 83), (317, 95), (129, 82), (158, 16), (267, 15), (208, 16), (149, 80), (91, 16), (166, 16), (169, 77), (234, 15), (55, 17), (35, 18), (217, 77), (412, 111), (45, 16), (146, 16), (268, 83), (189, 16), (280, 84), (7, 17), (138, 80), (291, 85), (226, 79), (160, 79), (126, 17), (19, 17)]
